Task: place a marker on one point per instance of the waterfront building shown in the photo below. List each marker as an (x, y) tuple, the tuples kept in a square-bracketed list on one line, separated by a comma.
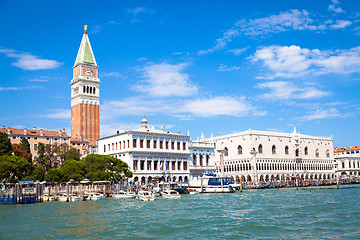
[(262, 156), (36, 136), (202, 158), (348, 160), (85, 99), (152, 155)]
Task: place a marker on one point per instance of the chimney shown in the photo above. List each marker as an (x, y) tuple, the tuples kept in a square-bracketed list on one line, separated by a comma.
[(41, 132), (3, 126), (63, 130), (34, 128), (8, 131), (25, 131), (60, 133)]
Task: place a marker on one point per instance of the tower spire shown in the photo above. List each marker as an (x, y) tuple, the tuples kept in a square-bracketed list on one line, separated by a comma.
[(85, 28), (85, 54)]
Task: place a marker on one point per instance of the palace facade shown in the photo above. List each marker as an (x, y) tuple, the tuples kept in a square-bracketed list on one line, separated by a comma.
[(262, 156), (348, 160)]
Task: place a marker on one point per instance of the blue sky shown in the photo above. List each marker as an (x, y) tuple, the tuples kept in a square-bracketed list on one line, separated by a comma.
[(200, 66)]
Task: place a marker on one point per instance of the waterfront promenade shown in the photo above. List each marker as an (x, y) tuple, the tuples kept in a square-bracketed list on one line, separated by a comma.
[(307, 213)]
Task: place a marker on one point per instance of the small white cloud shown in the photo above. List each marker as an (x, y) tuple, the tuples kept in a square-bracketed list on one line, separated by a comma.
[(335, 7), (237, 51), (58, 113), (18, 88), (27, 61), (165, 80), (112, 74), (136, 10), (322, 114), (224, 68), (95, 29), (340, 24)]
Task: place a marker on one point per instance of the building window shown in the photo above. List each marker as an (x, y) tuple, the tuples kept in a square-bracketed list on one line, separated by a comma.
[(184, 146), (207, 160), (116, 146), (28, 137), (141, 143), (104, 148), (173, 165), (179, 165), (35, 147), (149, 165), (317, 153), (178, 146), (260, 149), (226, 153), (155, 144), (286, 150), (161, 144), (47, 139), (135, 165), (172, 145), (306, 151), (194, 159), (134, 143), (14, 137), (112, 146), (239, 149), (167, 165), (167, 144), (273, 149), (201, 160), (185, 166), (148, 143), (155, 165), (35, 138), (109, 147), (55, 139), (123, 144), (142, 163), (327, 153), (297, 152)]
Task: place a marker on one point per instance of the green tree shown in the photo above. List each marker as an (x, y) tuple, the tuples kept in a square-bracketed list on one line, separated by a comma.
[(13, 168), (54, 175), (73, 169), (38, 174), (72, 153), (42, 160), (103, 167), (20, 151), (5, 144), (25, 143)]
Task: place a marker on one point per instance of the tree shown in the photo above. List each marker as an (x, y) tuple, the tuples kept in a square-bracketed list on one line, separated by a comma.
[(54, 175), (73, 169), (20, 151), (5, 144), (13, 168), (42, 160), (38, 174), (65, 152), (103, 167), (25, 143)]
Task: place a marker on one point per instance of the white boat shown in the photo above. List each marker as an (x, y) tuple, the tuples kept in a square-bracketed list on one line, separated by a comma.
[(213, 184), (62, 198), (193, 190), (122, 194), (96, 196), (171, 194), (49, 198), (74, 198), (146, 196)]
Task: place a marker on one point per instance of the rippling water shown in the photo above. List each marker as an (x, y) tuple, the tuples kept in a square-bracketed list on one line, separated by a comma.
[(278, 213)]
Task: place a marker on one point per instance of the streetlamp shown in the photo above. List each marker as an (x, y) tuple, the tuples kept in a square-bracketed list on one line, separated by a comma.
[(253, 153)]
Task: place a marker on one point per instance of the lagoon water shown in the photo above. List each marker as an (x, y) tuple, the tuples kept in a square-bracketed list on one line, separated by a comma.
[(278, 213)]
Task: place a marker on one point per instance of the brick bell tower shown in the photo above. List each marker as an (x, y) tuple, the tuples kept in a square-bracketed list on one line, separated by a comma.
[(85, 95)]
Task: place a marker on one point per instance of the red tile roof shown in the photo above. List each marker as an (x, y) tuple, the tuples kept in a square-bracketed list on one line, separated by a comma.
[(33, 132), (343, 149)]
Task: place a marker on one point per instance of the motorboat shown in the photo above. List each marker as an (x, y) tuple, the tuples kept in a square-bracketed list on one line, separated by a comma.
[(74, 198), (123, 194), (193, 190), (49, 198), (171, 194), (146, 196), (209, 183), (62, 197), (96, 196)]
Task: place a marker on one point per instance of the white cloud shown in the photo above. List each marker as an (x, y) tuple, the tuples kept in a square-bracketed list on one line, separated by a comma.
[(280, 90), (237, 51), (96, 29), (224, 68), (199, 107), (18, 88), (294, 61), (322, 114), (136, 10), (58, 113), (27, 61), (335, 7), (112, 74), (166, 80), (340, 24)]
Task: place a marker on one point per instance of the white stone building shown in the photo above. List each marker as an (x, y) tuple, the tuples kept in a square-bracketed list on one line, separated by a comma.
[(348, 160), (202, 158), (277, 156), (152, 154)]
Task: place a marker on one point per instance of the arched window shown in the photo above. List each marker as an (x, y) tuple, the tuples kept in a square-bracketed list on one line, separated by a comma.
[(327, 153), (286, 150), (84, 89), (194, 159), (317, 152), (260, 149), (297, 152), (226, 153), (239, 150), (306, 151), (94, 90), (273, 149), (87, 89)]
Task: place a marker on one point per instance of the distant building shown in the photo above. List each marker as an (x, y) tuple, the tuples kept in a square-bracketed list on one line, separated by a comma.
[(152, 154), (254, 156), (202, 158), (348, 160), (85, 100), (36, 136)]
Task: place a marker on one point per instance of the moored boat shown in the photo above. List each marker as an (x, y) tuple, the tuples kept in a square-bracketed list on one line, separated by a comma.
[(96, 196), (146, 196), (171, 194), (49, 198), (212, 184), (122, 194)]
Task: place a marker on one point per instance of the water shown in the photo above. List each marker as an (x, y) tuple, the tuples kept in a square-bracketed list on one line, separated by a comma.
[(278, 214)]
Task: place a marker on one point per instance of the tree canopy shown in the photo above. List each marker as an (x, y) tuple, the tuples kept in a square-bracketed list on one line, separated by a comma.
[(13, 168), (20, 151), (25, 143), (5, 144)]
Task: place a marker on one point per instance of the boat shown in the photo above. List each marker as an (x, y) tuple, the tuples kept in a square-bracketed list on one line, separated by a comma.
[(122, 194), (146, 196), (171, 194), (210, 183), (96, 196), (74, 198), (49, 198), (62, 197), (192, 190)]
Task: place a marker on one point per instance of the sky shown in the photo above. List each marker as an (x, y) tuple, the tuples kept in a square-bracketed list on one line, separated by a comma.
[(211, 67)]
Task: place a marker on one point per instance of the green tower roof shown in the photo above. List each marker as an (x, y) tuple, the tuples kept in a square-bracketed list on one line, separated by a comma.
[(85, 53)]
